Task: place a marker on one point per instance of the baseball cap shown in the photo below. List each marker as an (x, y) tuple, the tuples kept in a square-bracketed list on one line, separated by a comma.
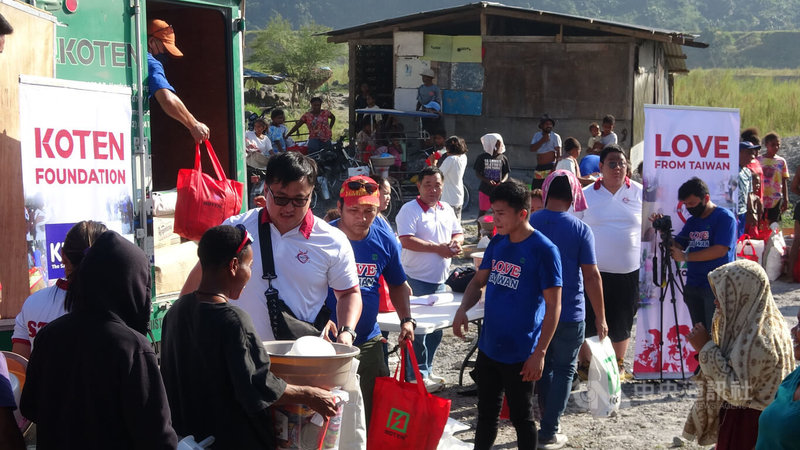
[(427, 73), (163, 31), (432, 105), (744, 145), (359, 190)]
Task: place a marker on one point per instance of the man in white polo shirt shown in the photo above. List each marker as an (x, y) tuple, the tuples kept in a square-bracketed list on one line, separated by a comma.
[(430, 235), (615, 217), (309, 254)]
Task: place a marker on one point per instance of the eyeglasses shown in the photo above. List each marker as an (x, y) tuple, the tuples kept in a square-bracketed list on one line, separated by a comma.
[(283, 201), (356, 185), (615, 164), (248, 238)]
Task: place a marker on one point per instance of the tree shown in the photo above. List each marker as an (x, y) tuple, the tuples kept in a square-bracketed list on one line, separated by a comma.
[(296, 54)]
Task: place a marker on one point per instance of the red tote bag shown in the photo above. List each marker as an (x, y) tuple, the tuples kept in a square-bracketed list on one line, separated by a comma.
[(404, 415), (203, 201)]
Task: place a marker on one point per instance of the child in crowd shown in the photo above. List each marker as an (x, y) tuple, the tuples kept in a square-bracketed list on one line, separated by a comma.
[(754, 225), (607, 135), (277, 131), (434, 125), (395, 149), (258, 146), (453, 166), (775, 183), (365, 140), (536, 200), (491, 167), (570, 161), (594, 136), (439, 150), (521, 271)]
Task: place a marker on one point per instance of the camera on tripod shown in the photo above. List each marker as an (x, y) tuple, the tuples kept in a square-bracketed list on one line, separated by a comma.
[(664, 226)]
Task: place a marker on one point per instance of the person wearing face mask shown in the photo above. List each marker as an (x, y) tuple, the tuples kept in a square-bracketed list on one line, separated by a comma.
[(707, 241), (160, 49)]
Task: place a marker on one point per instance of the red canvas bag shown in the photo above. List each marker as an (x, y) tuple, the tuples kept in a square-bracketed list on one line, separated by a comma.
[(747, 250), (404, 415), (203, 201)]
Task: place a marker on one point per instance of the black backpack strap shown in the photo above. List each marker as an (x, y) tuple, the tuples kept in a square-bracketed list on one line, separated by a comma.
[(265, 243)]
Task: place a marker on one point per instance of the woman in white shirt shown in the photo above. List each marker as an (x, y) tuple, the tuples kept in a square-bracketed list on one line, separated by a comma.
[(453, 165), (47, 305), (258, 145)]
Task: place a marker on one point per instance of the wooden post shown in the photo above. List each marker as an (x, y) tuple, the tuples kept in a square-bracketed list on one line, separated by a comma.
[(352, 87)]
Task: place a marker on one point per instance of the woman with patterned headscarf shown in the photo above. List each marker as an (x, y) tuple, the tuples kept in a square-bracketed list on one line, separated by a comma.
[(742, 362)]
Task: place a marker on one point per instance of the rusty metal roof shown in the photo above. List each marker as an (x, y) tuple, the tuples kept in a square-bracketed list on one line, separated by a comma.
[(431, 20)]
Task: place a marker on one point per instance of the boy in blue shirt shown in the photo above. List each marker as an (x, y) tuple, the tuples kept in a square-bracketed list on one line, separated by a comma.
[(377, 252), (575, 242), (521, 271)]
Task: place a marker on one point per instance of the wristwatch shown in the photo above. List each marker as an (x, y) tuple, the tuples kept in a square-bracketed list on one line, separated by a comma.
[(346, 329), (409, 319)]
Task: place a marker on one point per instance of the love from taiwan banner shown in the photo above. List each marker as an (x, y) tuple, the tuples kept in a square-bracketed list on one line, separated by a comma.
[(680, 142)]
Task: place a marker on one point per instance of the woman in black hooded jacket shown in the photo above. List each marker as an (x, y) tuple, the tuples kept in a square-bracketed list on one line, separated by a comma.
[(93, 379)]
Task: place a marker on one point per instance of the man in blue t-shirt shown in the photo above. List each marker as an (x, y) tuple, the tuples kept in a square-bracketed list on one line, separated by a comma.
[(575, 243), (377, 252), (160, 47), (521, 270), (707, 241)]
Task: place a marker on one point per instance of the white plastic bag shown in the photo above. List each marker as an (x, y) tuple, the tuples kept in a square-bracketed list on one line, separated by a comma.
[(353, 434), (448, 441), (749, 249), (774, 249), (605, 390)]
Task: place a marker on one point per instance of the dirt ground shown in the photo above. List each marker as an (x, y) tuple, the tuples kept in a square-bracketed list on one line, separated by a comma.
[(651, 415)]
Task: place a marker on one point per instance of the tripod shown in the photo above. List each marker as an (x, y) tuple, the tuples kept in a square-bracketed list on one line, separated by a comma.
[(669, 284)]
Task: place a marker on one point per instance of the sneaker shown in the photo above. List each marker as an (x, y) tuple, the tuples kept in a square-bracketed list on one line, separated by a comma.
[(431, 386), (436, 378), (583, 371), (555, 442)]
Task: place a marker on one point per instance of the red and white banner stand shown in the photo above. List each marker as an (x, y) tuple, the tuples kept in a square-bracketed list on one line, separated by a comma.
[(76, 163), (680, 142)]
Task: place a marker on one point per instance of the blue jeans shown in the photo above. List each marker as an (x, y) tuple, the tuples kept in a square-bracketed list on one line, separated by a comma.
[(741, 225), (315, 145), (425, 345), (559, 368)]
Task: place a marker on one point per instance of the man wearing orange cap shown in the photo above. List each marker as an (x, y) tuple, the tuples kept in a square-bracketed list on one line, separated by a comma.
[(161, 46), (377, 253)]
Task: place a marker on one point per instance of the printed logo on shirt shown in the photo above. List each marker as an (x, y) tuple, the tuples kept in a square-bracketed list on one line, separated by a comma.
[(505, 274), (493, 169), (34, 327), (302, 256), (700, 239), (366, 274)]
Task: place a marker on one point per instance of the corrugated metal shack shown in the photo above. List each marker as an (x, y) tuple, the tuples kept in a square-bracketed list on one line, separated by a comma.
[(501, 67)]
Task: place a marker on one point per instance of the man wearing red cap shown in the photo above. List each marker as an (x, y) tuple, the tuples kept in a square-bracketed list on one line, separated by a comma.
[(161, 46), (377, 253)]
